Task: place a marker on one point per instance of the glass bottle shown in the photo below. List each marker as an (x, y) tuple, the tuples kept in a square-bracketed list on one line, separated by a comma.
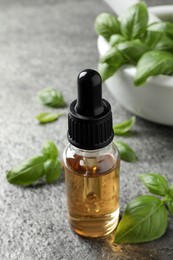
[(91, 162)]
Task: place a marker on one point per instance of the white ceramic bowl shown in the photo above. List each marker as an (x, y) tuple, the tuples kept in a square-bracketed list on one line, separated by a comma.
[(152, 101)]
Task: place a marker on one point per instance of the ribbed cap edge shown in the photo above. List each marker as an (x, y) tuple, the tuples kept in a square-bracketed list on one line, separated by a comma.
[(90, 133)]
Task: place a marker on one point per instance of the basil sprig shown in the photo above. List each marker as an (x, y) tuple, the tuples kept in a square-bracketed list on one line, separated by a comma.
[(48, 117), (27, 172), (50, 151), (153, 63), (30, 171), (52, 170), (106, 25), (134, 21), (134, 41), (155, 183), (51, 97), (145, 217), (123, 129), (165, 27), (126, 152)]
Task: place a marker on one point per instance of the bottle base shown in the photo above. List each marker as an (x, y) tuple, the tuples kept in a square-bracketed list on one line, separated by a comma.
[(93, 226)]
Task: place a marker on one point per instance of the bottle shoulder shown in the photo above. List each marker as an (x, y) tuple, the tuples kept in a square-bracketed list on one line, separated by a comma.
[(95, 162), (109, 149)]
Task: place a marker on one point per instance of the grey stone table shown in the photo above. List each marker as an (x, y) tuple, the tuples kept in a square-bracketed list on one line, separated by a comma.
[(45, 44)]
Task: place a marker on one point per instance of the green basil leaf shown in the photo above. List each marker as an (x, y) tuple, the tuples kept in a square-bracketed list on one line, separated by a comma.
[(113, 57), (151, 38), (155, 183), (110, 62), (106, 25), (144, 219), (165, 27), (158, 40), (27, 172), (170, 206), (132, 50), (48, 117), (134, 21), (168, 200), (171, 191), (115, 39), (106, 70), (126, 153), (153, 63), (124, 127), (50, 150), (52, 170), (165, 44), (51, 97)]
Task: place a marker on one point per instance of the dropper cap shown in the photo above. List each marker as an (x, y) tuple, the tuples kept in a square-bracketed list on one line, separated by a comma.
[(90, 116)]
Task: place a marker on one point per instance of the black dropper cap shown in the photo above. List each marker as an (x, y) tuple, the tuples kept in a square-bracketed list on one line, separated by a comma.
[(90, 116)]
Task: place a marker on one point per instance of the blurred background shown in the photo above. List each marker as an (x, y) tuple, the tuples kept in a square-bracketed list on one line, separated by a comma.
[(46, 43)]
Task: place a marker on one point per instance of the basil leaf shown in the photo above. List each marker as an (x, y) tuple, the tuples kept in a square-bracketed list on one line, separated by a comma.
[(155, 183), (110, 62), (115, 39), (113, 56), (165, 27), (134, 21), (106, 70), (27, 172), (168, 200), (47, 117), (50, 150), (52, 170), (165, 44), (132, 50), (123, 128), (106, 25), (51, 97), (144, 219), (171, 191), (153, 63), (126, 153), (170, 206), (151, 38)]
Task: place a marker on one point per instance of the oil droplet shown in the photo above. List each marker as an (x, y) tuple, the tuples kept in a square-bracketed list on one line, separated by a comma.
[(87, 208), (94, 169), (97, 207), (91, 196)]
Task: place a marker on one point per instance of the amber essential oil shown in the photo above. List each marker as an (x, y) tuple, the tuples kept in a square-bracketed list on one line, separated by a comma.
[(92, 186)]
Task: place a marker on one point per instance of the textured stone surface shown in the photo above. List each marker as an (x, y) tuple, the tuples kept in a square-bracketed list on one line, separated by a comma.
[(46, 43)]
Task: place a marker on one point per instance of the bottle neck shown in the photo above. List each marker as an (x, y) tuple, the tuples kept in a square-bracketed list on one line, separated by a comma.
[(91, 153)]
